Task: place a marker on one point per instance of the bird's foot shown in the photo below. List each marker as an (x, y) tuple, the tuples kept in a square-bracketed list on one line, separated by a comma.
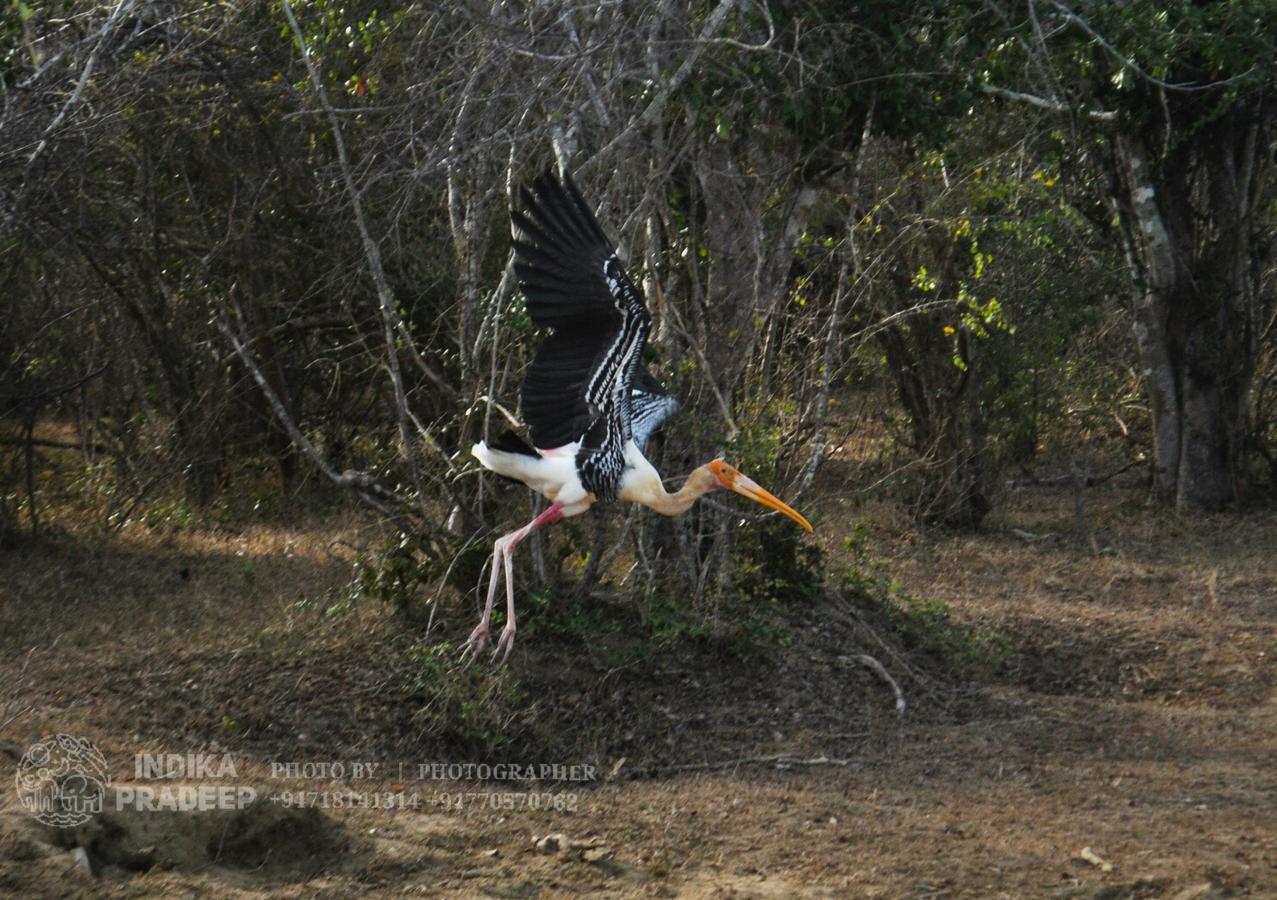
[(505, 643), (475, 643)]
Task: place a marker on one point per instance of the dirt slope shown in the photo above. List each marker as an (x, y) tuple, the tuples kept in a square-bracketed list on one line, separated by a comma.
[(1128, 747)]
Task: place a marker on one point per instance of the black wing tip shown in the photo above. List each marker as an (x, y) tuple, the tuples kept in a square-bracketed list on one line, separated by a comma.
[(553, 211), (548, 179), (546, 189), (512, 442)]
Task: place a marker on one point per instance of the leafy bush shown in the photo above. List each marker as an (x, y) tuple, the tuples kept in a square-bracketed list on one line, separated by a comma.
[(472, 708), (397, 573)]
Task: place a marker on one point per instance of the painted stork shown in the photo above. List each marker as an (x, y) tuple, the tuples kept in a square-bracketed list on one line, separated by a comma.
[(588, 401)]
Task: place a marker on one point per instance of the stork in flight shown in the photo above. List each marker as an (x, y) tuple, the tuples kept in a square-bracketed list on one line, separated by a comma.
[(589, 402)]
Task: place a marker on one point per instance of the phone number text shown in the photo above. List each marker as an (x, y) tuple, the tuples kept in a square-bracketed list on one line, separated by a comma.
[(457, 801)]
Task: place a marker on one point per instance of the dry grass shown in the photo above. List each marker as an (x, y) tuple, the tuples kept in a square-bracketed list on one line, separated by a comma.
[(1136, 716), (182, 584)]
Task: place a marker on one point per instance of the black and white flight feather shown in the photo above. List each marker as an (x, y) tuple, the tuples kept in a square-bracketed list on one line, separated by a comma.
[(587, 384)]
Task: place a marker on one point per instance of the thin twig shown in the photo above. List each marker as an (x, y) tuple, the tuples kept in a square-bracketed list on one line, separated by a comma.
[(363, 483)]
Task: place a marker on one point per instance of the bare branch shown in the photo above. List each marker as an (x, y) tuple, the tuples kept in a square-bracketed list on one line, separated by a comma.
[(350, 479), (1099, 115), (1127, 63), (392, 323), (122, 8), (654, 108)]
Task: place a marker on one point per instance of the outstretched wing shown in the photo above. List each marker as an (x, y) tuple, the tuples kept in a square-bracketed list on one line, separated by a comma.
[(580, 386)]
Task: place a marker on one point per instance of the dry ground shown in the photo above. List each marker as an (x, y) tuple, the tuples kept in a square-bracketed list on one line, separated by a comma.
[(1135, 718)]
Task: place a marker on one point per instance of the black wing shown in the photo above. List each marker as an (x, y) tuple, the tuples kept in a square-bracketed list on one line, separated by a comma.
[(579, 387)]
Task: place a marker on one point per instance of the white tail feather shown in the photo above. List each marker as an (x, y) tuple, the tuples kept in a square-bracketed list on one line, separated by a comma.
[(554, 477)]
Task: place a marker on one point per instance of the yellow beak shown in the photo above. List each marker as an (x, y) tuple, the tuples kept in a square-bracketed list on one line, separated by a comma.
[(734, 481)]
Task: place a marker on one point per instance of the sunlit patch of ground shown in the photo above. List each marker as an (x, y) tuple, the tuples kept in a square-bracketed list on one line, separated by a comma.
[(1135, 717)]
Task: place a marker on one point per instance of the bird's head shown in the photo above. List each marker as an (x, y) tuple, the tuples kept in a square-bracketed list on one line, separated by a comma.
[(731, 479)]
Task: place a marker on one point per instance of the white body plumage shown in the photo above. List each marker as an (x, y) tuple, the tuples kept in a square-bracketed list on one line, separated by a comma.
[(553, 475)]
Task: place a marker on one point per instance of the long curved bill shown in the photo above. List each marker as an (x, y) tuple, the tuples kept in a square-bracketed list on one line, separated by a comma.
[(733, 480)]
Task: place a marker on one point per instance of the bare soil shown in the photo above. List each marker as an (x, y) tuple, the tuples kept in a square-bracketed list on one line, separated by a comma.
[(1126, 747)]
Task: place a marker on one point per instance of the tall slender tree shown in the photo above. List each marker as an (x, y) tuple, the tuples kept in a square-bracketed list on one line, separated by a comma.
[(1179, 103)]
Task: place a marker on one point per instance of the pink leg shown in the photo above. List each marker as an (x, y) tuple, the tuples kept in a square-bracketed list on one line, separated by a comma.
[(503, 552), (506, 642), (479, 637)]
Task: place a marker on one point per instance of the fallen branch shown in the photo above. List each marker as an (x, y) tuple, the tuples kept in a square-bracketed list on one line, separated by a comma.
[(880, 670), (777, 761), (848, 613), (1029, 537)]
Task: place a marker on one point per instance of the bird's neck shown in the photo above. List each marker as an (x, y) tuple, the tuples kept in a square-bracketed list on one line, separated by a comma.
[(698, 484)]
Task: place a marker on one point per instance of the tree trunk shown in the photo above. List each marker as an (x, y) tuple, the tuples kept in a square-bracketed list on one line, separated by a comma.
[(1152, 263), (1187, 215), (278, 443)]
